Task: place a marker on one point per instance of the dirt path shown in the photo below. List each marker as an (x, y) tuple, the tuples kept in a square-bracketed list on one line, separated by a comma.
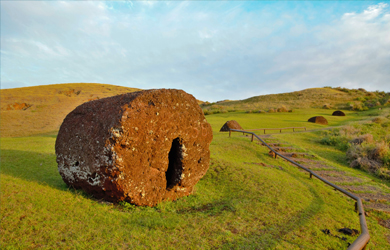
[(375, 196)]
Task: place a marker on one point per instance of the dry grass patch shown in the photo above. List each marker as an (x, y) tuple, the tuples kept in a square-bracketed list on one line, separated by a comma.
[(41, 109)]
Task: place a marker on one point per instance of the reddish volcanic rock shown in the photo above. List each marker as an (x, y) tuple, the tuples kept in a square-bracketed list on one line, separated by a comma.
[(230, 125), (142, 147), (318, 120), (338, 113)]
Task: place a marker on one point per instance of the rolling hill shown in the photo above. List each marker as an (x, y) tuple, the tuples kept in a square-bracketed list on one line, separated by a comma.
[(41, 109), (246, 200), (327, 97)]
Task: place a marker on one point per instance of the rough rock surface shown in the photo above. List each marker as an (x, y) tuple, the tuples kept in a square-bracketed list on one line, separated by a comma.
[(142, 147), (338, 113), (230, 125), (319, 120)]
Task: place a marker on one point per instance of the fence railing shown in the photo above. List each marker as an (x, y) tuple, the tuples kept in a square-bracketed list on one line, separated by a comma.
[(361, 242), (280, 129)]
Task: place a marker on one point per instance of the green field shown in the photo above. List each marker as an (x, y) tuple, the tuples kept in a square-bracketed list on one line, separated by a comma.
[(237, 205)]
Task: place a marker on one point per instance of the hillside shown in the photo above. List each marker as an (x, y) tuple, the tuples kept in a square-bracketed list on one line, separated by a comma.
[(41, 109), (246, 200), (335, 98)]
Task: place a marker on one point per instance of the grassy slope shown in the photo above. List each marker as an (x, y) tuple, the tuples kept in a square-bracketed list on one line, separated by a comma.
[(236, 205), (49, 106), (308, 98)]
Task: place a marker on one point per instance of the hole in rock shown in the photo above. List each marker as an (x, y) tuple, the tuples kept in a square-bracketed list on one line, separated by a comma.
[(77, 164), (175, 166)]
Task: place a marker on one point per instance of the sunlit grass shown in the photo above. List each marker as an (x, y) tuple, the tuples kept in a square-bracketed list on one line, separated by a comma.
[(50, 105), (236, 205)]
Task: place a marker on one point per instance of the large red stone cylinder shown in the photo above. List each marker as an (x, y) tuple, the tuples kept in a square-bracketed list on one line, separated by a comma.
[(142, 147)]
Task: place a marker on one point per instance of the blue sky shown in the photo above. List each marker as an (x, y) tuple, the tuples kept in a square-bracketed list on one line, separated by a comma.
[(214, 50)]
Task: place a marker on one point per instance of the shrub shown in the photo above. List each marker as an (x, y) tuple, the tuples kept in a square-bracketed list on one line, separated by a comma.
[(357, 107), (362, 151), (380, 150), (367, 138), (379, 120), (348, 131), (360, 99), (282, 109), (208, 112), (271, 110), (326, 106), (366, 164), (337, 141)]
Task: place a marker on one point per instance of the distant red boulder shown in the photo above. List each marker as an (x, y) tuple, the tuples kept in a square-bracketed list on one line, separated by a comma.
[(318, 120), (338, 113), (230, 125)]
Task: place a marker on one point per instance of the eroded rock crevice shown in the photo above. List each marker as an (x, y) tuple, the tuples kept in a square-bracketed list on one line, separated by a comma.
[(175, 166)]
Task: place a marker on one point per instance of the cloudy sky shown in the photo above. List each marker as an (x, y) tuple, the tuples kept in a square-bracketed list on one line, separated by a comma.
[(214, 50)]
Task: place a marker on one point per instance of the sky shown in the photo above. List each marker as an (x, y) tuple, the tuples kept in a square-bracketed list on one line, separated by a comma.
[(214, 50)]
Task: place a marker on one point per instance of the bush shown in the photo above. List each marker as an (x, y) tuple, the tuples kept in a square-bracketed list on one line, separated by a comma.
[(379, 152), (370, 157), (348, 131), (282, 109), (357, 107), (386, 124), (208, 112), (362, 150), (360, 99), (337, 141), (366, 164), (379, 120)]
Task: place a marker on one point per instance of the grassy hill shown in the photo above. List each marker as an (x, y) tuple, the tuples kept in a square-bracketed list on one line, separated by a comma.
[(41, 109), (329, 98), (246, 200)]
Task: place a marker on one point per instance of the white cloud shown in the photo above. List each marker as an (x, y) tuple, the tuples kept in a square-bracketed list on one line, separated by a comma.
[(352, 52), (214, 50)]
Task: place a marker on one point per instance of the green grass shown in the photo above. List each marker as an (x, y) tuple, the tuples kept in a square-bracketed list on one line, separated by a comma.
[(334, 98), (281, 120), (237, 205)]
